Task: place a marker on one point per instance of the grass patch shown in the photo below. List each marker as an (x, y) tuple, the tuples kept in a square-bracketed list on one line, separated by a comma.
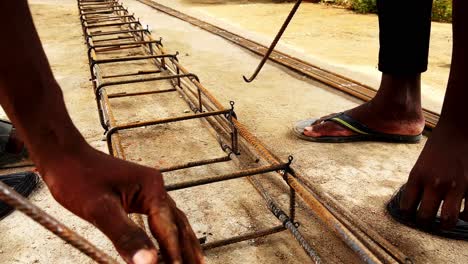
[(441, 9)]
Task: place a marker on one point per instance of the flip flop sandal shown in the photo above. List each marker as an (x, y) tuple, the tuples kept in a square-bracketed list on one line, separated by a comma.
[(5, 157), (459, 232), (363, 132), (23, 183)]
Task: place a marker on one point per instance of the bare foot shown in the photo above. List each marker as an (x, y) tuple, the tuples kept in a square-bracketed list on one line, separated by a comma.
[(396, 109)]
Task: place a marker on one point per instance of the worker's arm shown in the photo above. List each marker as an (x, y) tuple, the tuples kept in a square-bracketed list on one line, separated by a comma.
[(93, 185)]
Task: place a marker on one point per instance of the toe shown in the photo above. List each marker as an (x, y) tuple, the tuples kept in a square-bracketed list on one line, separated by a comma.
[(329, 129)]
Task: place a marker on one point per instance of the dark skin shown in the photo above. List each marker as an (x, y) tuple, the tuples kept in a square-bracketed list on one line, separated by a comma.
[(440, 176), (95, 186)]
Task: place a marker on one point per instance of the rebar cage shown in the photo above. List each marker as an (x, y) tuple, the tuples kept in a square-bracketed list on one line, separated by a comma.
[(108, 28)]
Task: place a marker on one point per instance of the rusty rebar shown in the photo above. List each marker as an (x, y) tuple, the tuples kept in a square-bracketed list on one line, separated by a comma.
[(275, 41), (13, 199), (244, 237), (195, 164), (225, 177)]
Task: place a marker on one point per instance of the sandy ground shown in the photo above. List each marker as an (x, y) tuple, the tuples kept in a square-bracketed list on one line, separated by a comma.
[(362, 176)]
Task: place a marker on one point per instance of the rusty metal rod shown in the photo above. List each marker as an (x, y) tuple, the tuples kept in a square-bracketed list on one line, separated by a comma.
[(229, 176), (130, 74), (195, 164), (112, 24), (88, 11), (125, 94), (110, 11), (98, 4), (96, 20), (241, 238), (117, 48), (98, 7), (286, 221), (114, 129), (103, 85), (275, 41), (133, 58), (126, 44), (116, 38), (105, 33), (12, 198)]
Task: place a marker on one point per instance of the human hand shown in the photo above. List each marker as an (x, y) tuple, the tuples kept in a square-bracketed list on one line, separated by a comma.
[(103, 190), (440, 175)]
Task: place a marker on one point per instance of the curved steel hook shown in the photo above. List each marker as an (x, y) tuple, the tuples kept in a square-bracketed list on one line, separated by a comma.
[(275, 41)]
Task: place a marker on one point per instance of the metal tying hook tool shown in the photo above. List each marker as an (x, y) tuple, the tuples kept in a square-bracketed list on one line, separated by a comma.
[(275, 41)]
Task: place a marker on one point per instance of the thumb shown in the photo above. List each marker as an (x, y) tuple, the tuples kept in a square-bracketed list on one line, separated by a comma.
[(130, 241)]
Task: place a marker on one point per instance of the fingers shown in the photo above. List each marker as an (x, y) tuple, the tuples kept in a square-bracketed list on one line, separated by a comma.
[(130, 241), (451, 210), (410, 199), (163, 226), (429, 198), (178, 243), (429, 207), (191, 246)]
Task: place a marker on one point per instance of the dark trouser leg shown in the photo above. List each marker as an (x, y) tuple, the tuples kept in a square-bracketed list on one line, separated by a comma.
[(404, 35), (405, 28)]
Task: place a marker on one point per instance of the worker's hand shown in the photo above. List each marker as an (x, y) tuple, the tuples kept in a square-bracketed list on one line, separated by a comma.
[(103, 190), (440, 174)]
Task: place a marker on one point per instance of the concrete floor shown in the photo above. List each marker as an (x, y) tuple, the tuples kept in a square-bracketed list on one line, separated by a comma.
[(361, 175)]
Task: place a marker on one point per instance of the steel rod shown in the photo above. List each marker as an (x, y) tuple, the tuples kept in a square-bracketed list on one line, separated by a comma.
[(112, 24), (12, 198), (102, 85), (126, 44), (230, 176), (130, 74), (244, 237), (291, 226), (105, 33), (275, 41), (125, 94), (114, 129), (195, 164), (134, 58)]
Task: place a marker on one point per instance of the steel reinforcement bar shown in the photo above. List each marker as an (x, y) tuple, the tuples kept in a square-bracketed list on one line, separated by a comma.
[(334, 80), (14, 199)]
